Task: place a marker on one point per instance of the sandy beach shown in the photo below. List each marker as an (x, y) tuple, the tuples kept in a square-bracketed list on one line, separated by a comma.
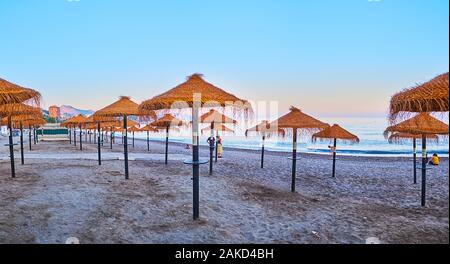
[(62, 192)]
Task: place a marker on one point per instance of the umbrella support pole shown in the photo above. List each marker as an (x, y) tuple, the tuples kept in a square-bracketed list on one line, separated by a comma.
[(334, 158), (98, 147), (111, 140), (414, 160), (424, 169), (81, 139), (74, 136), (22, 159), (70, 137), (148, 141), (29, 137), (167, 146), (294, 159), (262, 151), (11, 148), (211, 150), (34, 134), (195, 157), (125, 145), (133, 139), (217, 144)]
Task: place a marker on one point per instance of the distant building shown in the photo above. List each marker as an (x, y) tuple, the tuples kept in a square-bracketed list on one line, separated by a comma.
[(54, 112)]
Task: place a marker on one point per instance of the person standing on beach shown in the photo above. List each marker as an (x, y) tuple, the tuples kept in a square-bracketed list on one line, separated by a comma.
[(219, 147), (212, 142)]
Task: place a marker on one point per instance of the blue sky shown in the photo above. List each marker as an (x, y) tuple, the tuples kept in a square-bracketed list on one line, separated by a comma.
[(327, 57)]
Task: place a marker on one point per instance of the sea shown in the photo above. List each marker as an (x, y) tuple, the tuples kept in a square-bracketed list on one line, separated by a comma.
[(368, 129)]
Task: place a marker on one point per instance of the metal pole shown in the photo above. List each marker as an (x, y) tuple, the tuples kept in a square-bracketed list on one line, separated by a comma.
[(125, 145), (11, 148), (81, 139), (262, 150), (211, 150), (148, 140), (167, 144), (133, 139), (217, 144), (29, 136), (424, 167), (334, 158), (294, 158), (415, 158), (74, 136), (22, 159), (98, 146), (111, 141), (70, 135), (34, 135), (195, 156)]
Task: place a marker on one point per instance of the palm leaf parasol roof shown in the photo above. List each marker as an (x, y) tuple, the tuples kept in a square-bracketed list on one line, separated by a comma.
[(149, 128), (76, 121), (12, 93), (265, 128), (18, 109), (220, 127), (335, 131), (134, 129), (123, 106), (402, 137), (298, 120), (181, 96), (213, 116), (431, 96), (166, 121), (422, 123)]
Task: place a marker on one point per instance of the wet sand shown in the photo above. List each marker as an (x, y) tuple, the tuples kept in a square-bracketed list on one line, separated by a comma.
[(52, 199)]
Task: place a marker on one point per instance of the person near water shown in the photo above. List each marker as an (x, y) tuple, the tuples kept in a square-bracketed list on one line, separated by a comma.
[(434, 160), (211, 142), (219, 147)]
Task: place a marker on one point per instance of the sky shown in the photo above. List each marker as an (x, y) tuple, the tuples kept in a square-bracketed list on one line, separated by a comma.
[(326, 57)]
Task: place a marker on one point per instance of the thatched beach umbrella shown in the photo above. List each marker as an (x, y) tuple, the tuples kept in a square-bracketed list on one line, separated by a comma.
[(9, 111), (335, 132), (423, 124), (431, 96), (265, 130), (70, 124), (122, 108), (195, 93), (21, 121), (297, 120), (148, 128), (402, 137), (166, 122), (215, 118), (77, 121), (134, 129), (14, 94)]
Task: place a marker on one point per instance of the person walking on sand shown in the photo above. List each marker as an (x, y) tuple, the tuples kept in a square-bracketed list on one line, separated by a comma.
[(219, 147)]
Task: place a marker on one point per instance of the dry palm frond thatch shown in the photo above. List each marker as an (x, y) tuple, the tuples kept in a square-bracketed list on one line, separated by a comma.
[(422, 123), (431, 96), (13, 94), (167, 121), (296, 119), (213, 116), (264, 128), (220, 127), (335, 132), (18, 109), (182, 97), (400, 138), (123, 106)]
